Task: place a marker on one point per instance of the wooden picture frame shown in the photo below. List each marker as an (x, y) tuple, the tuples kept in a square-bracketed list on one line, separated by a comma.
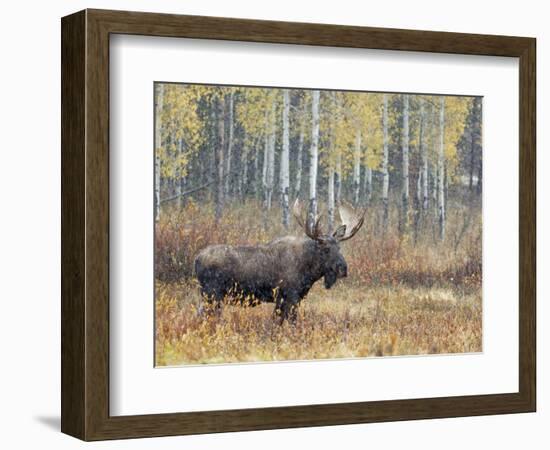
[(85, 224)]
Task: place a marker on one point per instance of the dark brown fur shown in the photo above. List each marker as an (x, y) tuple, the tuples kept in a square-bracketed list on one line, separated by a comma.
[(282, 271)]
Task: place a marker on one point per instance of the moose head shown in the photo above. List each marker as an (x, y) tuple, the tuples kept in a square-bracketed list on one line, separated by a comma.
[(333, 264)]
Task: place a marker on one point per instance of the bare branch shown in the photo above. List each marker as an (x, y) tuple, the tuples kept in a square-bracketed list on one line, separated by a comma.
[(196, 189)]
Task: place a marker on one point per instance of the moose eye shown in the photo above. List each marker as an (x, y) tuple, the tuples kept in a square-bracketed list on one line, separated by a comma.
[(326, 250)]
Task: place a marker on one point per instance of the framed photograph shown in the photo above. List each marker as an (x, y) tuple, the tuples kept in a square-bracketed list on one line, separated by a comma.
[(273, 225)]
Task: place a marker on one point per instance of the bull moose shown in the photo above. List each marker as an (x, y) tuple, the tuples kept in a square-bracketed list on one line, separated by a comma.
[(282, 271)]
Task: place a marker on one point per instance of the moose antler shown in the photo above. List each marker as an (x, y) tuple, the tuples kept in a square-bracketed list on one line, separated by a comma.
[(312, 230), (351, 220)]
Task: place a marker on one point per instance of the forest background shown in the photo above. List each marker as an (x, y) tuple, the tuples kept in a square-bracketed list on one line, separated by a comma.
[(229, 163)]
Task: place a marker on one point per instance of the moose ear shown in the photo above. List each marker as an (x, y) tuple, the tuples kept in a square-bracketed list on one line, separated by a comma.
[(340, 232)]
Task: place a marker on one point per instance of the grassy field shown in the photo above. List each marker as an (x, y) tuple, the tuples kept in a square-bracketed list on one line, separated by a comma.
[(405, 294)]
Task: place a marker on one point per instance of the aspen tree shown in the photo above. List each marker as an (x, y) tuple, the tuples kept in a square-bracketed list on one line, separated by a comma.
[(441, 170), (299, 157), (285, 177), (405, 166), (220, 108), (385, 171), (270, 175), (357, 167), (424, 155), (158, 144), (314, 155), (229, 142)]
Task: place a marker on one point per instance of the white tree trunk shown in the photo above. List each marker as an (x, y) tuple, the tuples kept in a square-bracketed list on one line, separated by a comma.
[(265, 158), (298, 183), (270, 158), (357, 168), (256, 184), (385, 171), (159, 98), (229, 145), (220, 111), (285, 176), (435, 181), (419, 188), (405, 166), (441, 171), (180, 180), (314, 155), (243, 182), (338, 178), (424, 153), (367, 181), (368, 184), (330, 199)]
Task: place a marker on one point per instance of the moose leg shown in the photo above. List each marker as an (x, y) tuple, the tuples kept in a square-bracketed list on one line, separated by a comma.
[(211, 303), (293, 313), (289, 308), (278, 310)]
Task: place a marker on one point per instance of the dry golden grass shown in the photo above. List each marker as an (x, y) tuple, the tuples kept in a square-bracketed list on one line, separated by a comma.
[(344, 322), (402, 297)]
